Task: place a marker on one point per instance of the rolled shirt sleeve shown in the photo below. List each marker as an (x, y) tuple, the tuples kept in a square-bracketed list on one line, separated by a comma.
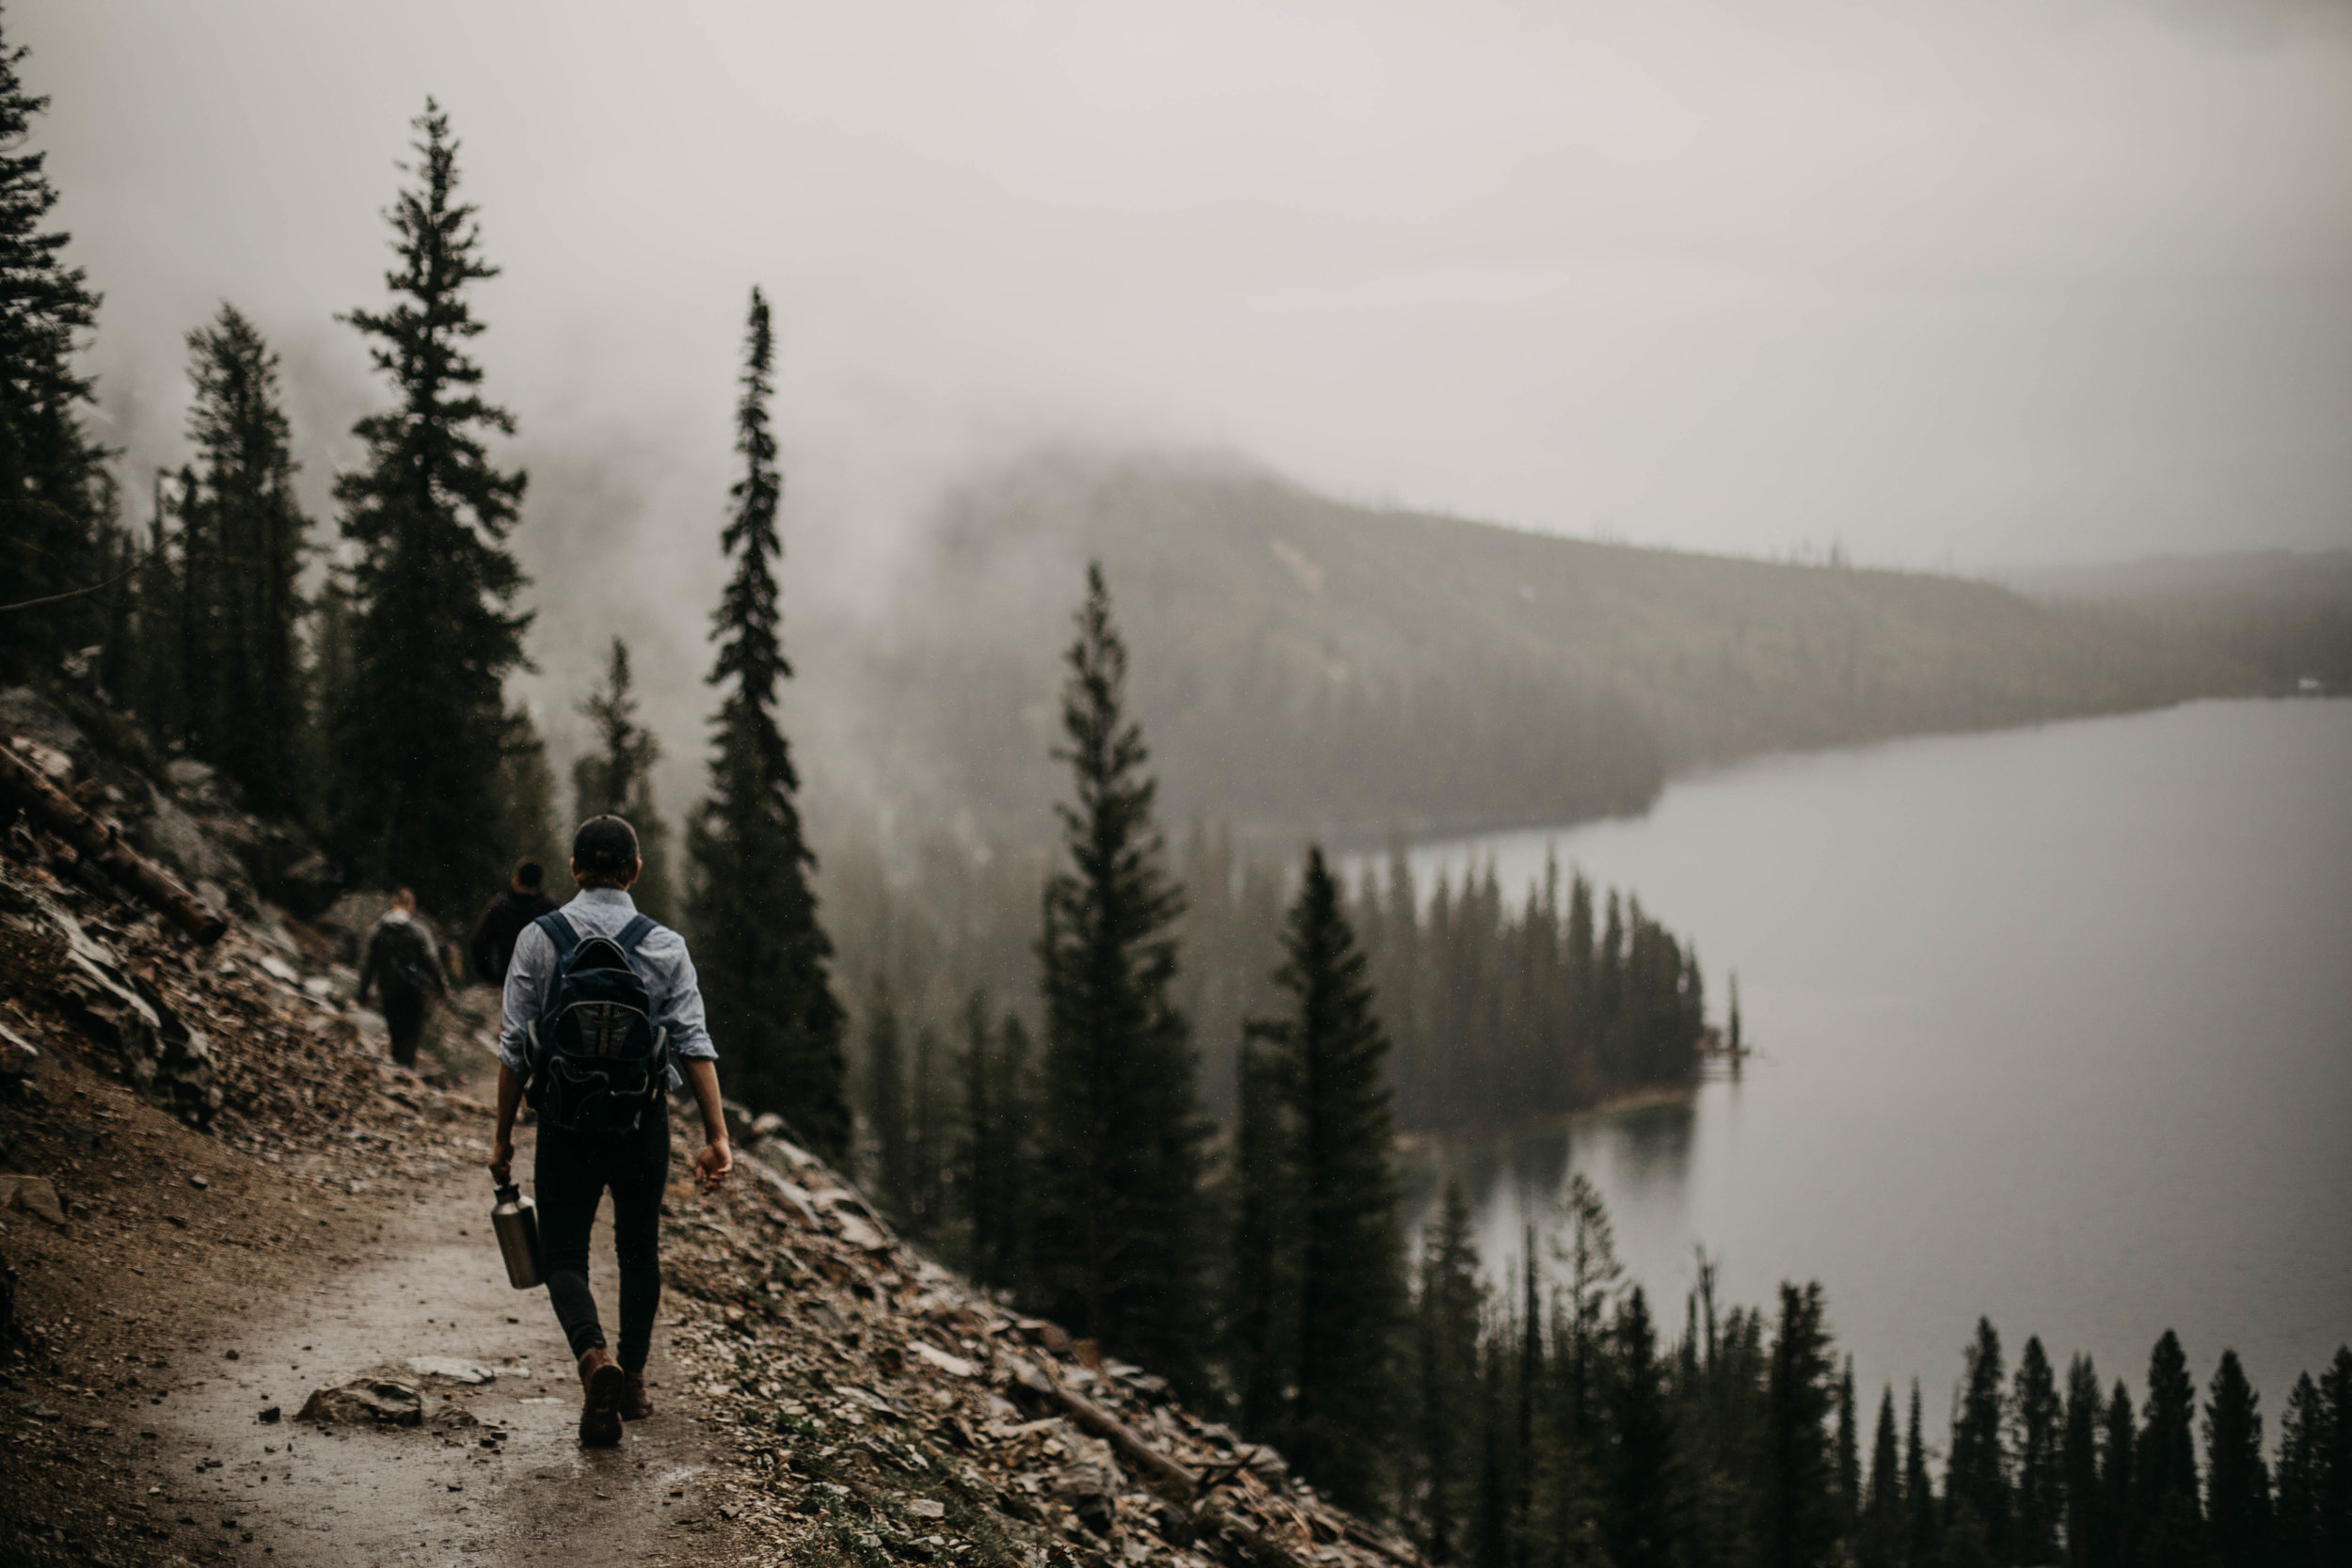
[(678, 1004)]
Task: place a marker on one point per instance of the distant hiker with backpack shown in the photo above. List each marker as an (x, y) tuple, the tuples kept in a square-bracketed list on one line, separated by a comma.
[(601, 1010), (513, 907), (402, 966)]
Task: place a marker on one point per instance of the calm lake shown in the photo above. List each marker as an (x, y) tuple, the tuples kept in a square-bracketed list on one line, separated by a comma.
[(2051, 1025)]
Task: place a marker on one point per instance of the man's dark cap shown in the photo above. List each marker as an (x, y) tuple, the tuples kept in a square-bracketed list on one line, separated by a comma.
[(529, 874), (605, 846)]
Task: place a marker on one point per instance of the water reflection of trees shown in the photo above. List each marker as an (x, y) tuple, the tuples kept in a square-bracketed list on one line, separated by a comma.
[(1640, 1159)]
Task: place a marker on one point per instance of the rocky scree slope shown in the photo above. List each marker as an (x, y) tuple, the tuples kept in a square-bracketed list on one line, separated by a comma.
[(864, 1402)]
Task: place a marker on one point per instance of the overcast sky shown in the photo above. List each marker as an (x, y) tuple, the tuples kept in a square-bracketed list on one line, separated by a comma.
[(1976, 282)]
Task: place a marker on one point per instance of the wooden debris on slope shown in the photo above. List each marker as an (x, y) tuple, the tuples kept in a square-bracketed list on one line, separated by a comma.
[(877, 1402)]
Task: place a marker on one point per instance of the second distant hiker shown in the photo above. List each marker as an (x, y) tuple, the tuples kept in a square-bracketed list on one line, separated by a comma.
[(402, 966), (523, 900)]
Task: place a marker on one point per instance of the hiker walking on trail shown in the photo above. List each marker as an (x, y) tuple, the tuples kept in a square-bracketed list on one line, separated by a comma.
[(523, 900), (401, 965), (600, 1002)]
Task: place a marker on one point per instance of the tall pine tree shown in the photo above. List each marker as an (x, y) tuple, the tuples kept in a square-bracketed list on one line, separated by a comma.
[(2078, 1463), (615, 777), (2295, 1522), (1638, 1524), (2331, 1464), (1261, 1317), (434, 634), (2039, 1493), (2170, 1520), (1332, 1061), (1923, 1536), (1119, 1232), (1802, 1510), (885, 1106), (764, 958), (1976, 1483), (2237, 1482), (56, 504), (243, 561), (996, 1159), (1448, 1316), (2118, 1480), (1881, 1541)]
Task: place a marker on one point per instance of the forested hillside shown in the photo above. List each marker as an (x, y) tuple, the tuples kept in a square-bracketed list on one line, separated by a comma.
[(2284, 615), (1309, 666)]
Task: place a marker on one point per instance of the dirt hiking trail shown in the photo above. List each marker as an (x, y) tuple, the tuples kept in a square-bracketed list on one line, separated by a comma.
[(494, 1468)]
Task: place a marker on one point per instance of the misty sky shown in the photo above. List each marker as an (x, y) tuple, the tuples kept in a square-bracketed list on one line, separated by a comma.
[(1974, 282)]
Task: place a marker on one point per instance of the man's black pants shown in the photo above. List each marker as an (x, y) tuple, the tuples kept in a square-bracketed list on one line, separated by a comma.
[(570, 1173), (404, 1019)]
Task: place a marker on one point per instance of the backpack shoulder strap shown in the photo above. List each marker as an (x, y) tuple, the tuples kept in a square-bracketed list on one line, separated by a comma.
[(560, 932), (634, 932)]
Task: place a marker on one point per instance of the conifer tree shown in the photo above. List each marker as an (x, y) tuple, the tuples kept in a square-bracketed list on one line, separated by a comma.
[(996, 1159), (56, 499), (1849, 1455), (615, 777), (926, 1135), (2080, 1466), (242, 536), (524, 823), (2237, 1482), (1882, 1536), (1923, 1539), (1801, 1508), (764, 956), (1566, 1455), (1976, 1477), (1119, 1239), (2171, 1521), (1639, 1530), (2331, 1464), (434, 633), (1492, 1542), (1448, 1317), (885, 1107), (2294, 1524), (1524, 1465), (1586, 1248), (1328, 1058), (2117, 1479), (1263, 1357), (2041, 1492)]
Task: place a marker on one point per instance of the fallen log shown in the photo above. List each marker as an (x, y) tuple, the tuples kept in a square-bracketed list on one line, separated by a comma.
[(20, 784), (1162, 1473)]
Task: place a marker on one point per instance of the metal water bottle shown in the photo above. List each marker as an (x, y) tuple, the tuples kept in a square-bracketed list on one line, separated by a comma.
[(517, 1221)]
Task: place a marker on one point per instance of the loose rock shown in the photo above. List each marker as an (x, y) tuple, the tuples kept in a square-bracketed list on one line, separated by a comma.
[(378, 1401)]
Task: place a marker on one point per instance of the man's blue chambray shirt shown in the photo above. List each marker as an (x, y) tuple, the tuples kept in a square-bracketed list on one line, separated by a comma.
[(678, 1001)]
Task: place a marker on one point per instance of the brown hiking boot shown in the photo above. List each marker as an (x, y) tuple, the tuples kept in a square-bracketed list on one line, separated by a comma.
[(635, 1406), (602, 1383)]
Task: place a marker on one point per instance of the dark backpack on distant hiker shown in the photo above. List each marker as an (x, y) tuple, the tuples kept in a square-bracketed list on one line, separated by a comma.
[(597, 1063), (408, 958)]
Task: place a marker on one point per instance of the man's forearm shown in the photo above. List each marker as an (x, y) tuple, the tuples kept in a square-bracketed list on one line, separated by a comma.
[(510, 1100), (702, 1075)]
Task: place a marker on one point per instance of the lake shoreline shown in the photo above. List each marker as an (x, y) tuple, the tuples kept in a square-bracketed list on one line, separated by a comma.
[(1646, 1097)]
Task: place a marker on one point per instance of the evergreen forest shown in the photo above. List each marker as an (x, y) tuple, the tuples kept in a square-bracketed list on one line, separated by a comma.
[(1150, 1087)]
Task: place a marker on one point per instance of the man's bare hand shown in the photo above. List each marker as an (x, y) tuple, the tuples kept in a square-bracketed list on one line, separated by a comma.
[(712, 1164), (502, 1161)]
